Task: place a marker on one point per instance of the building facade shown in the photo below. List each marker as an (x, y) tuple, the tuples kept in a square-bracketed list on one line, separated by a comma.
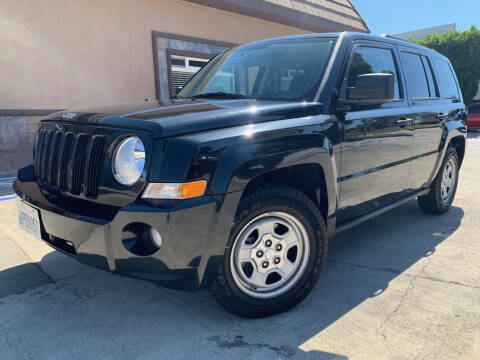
[(58, 54), (421, 33)]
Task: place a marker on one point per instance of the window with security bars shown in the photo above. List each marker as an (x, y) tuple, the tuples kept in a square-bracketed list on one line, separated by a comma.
[(183, 68)]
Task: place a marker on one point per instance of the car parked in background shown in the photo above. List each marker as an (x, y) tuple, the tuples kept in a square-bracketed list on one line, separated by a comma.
[(473, 118), (240, 181)]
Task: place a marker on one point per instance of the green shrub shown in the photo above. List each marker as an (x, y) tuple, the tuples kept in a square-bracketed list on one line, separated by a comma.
[(463, 50)]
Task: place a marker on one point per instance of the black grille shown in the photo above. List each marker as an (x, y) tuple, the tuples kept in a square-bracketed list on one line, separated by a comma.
[(53, 161), (69, 162), (38, 154), (45, 154), (77, 164), (64, 160), (93, 166)]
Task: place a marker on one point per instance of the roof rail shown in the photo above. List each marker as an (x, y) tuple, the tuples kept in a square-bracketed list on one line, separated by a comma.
[(408, 41), (397, 38)]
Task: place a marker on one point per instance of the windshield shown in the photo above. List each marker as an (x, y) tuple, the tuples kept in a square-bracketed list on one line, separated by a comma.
[(289, 69)]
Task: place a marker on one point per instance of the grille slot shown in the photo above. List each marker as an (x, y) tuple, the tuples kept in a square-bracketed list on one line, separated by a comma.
[(78, 164), (69, 162), (64, 160), (93, 166), (54, 157), (46, 154), (38, 152)]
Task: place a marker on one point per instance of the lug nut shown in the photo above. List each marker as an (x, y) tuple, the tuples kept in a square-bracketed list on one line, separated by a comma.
[(278, 247), (259, 253), (265, 264), (276, 261), (268, 243)]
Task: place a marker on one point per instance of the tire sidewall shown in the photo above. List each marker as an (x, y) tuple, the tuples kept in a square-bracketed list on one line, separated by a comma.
[(317, 239), (450, 154)]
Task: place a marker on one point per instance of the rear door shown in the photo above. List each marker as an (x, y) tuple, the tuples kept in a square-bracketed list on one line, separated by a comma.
[(377, 147), (425, 101), (453, 108)]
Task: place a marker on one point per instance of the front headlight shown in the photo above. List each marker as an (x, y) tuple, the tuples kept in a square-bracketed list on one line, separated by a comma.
[(129, 161)]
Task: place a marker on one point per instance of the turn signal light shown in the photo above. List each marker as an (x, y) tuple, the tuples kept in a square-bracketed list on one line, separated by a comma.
[(175, 190)]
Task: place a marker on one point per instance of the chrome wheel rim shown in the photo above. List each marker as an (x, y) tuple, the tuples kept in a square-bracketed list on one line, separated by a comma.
[(270, 254), (448, 181)]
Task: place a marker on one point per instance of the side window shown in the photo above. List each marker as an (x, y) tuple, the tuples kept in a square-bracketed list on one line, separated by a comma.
[(367, 60), (415, 76), (447, 80), (432, 84)]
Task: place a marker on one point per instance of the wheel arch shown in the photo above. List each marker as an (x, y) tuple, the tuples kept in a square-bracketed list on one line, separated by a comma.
[(458, 143), (454, 135), (308, 178)]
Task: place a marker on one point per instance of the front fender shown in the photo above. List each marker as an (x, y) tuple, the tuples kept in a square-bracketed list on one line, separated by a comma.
[(230, 158), (243, 162)]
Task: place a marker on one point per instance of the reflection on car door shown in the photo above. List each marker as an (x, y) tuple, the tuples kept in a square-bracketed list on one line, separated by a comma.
[(377, 147)]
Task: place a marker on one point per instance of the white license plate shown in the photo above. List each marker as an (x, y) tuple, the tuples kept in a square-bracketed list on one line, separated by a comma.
[(28, 219)]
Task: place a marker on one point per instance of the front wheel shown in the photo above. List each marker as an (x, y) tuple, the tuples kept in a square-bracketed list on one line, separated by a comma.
[(443, 189), (275, 254)]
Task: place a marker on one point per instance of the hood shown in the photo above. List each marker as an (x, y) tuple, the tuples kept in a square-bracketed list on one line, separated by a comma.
[(179, 117)]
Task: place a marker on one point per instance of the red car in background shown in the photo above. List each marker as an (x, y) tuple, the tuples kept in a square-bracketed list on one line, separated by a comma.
[(473, 119)]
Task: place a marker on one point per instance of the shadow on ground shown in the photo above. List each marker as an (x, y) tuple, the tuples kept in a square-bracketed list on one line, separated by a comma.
[(89, 312)]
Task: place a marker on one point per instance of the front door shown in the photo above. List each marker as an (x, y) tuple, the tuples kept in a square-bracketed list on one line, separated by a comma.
[(377, 145)]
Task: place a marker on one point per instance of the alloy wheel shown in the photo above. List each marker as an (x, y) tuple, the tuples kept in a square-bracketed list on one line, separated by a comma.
[(270, 254)]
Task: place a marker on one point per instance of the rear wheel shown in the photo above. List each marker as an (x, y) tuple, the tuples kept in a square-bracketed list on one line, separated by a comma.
[(275, 253), (443, 189)]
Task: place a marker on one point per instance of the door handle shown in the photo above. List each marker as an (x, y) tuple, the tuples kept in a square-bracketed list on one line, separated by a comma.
[(404, 122), (442, 116)]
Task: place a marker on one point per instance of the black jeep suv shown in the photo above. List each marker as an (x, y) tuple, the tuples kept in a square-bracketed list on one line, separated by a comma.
[(239, 182)]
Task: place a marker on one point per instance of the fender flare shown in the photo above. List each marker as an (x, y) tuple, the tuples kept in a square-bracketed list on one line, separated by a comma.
[(452, 130), (244, 163)]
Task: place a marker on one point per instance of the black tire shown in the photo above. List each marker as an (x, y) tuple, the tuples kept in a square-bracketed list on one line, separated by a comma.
[(293, 202), (432, 203)]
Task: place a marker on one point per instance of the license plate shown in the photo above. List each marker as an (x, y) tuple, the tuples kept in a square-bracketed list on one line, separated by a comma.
[(28, 219)]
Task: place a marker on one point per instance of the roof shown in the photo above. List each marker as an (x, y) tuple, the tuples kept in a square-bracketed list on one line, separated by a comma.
[(354, 36), (310, 15)]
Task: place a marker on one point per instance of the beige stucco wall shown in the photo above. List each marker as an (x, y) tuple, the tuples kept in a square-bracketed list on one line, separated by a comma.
[(72, 53)]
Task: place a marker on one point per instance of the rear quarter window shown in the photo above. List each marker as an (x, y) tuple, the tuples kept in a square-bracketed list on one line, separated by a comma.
[(448, 84)]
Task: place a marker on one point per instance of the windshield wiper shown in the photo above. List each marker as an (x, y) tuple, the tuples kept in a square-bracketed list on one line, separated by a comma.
[(220, 95)]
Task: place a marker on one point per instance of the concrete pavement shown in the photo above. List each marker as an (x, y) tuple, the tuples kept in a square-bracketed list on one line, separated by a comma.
[(402, 286)]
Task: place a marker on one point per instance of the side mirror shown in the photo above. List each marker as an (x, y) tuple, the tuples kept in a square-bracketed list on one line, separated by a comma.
[(373, 88), (178, 89)]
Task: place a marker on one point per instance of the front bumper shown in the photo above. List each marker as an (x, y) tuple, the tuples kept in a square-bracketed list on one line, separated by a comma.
[(194, 234)]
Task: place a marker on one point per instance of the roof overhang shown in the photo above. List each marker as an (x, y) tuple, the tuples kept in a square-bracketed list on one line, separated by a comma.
[(310, 15)]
